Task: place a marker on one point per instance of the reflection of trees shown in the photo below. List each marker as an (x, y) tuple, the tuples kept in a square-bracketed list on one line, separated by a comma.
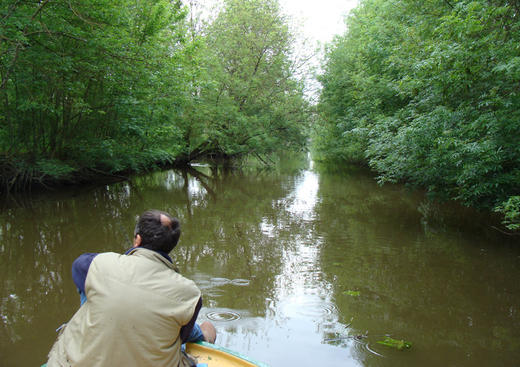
[(436, 289), (204, 179), (38, 245), (221, 211)]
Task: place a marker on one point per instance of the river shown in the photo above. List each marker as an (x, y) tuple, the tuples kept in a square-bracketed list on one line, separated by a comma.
[(299, 265)]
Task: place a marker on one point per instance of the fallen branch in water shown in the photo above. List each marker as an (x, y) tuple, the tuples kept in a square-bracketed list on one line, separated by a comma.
[(504, 232)]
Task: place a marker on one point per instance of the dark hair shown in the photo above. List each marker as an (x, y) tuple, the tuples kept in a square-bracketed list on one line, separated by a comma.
[(159, 231)]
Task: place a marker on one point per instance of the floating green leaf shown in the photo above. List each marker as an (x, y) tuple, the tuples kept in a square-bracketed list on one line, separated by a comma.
[(352, 293), (397, 344)]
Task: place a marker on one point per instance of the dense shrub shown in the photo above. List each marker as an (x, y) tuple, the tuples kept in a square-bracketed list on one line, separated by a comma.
[(429, 93)]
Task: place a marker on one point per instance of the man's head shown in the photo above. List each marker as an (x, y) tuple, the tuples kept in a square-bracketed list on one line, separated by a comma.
[(156, 230)]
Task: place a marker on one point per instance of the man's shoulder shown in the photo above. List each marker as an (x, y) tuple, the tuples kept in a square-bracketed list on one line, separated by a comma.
[(84, 260), (105, 256), (111, 262)]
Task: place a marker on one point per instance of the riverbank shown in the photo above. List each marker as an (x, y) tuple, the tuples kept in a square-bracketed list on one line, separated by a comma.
[(19, 175), (22, 175), (505, 217)]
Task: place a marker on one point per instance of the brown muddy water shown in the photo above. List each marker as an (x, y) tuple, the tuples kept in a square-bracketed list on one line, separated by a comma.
[(299, 266)]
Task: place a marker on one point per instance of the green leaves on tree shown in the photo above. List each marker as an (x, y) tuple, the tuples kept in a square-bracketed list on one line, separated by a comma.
[(122, 85), (427, 93)]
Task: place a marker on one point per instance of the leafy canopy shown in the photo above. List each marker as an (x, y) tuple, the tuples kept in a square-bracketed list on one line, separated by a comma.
[(427, 93)]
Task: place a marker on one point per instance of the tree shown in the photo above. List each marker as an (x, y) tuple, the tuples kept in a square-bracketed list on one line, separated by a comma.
[(427, 93), (248, 101), (88, 85)]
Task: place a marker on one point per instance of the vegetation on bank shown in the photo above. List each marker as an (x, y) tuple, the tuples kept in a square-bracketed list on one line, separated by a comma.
[(98, 87), (428, 93)]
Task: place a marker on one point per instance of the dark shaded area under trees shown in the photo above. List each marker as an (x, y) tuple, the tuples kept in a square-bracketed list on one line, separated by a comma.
[(428, 93)]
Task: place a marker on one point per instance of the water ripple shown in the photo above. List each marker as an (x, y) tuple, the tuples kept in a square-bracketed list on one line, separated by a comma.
[(240, 282), (213, 293), (220, 281), (363, 342), (223, 315), (312, 309)]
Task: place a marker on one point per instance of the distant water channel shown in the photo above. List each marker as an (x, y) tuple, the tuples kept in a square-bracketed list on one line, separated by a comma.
[(299, 265)]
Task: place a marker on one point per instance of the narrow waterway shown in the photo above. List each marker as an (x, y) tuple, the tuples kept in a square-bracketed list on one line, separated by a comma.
[(299, 265)]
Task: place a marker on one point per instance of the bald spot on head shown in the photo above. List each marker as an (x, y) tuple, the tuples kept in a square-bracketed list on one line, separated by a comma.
[(165, 221)]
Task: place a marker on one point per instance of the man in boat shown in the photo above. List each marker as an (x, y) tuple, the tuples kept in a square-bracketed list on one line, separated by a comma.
[(136, 308)]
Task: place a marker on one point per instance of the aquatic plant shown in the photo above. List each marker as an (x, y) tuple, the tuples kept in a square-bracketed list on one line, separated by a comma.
[(397, 344)]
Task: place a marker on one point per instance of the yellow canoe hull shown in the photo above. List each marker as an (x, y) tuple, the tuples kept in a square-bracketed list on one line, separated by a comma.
[(215, 356)]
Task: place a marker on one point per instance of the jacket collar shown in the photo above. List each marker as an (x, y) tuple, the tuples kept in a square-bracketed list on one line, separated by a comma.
[(152, 255)]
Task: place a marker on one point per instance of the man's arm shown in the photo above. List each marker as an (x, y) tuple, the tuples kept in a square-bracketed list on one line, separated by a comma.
[(80, 268), (186, 330)]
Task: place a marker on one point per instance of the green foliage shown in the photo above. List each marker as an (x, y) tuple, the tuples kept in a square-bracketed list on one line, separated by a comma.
[(53, 168), (511, 211), (427, 93), (352, 293), (125, 85), (247, 100), (393, 343), (81, 84)]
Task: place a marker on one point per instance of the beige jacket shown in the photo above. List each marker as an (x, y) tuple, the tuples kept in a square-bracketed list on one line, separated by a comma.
[(136, 307)]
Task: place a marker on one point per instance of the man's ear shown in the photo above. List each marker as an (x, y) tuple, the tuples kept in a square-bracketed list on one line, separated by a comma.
[(137, 240)]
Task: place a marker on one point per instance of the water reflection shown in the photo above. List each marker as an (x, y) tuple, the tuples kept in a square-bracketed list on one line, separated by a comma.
[(298, 265), (305, 196), (299, 310), (428, 286)]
